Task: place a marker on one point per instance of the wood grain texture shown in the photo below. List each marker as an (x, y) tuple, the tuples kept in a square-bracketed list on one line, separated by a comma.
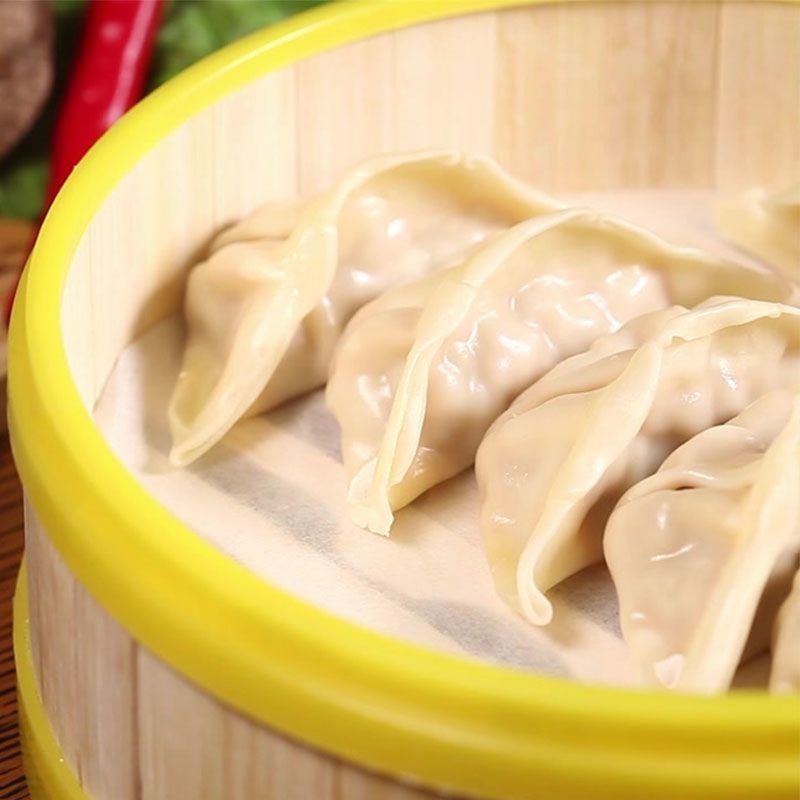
[(133, 729), (758, 79), (15, 236), (15, 239), (12, 777), (608, 95), (589, 96)]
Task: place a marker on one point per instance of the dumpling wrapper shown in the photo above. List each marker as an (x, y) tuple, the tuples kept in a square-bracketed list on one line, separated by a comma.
[(765, 225), (552, 468), (416, 382), (785, 674), (266, 308), (692, 548)]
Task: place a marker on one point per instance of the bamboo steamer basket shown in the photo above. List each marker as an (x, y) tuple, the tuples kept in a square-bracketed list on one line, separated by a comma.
[(153, 667)]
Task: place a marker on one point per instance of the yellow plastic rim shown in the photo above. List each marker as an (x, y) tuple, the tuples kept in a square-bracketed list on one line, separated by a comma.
[(50, 777), (370, 699)]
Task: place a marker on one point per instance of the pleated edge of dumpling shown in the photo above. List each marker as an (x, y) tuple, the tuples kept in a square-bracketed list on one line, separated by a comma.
[(781, 638), (218, 414), (644, 371), (371, 486), (781, 459), (702, 322), (191, 439)]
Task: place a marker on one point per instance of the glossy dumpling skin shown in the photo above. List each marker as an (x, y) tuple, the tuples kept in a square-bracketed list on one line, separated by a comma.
[(552, 468), (785, 674), (265, 309), (691, 549), (463, 346), (766, 225)]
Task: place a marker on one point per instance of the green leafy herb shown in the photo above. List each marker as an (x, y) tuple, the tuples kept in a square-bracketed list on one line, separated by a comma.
[(193, 29), (190, 30), (23, 172)]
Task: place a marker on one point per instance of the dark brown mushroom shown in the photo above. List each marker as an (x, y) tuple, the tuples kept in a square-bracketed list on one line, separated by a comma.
[(26, 65)]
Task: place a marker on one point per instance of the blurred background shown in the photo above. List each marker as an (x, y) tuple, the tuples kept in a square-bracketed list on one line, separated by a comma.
[(69, 68), (48, 33)]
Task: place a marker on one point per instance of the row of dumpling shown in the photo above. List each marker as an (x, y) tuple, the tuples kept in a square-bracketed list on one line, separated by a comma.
[(655, 418)]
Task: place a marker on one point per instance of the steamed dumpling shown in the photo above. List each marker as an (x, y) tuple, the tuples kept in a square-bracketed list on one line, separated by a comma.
[(785, 674), (266, 308), (766, 225), (691, 548), (418, 378), (552, 468)]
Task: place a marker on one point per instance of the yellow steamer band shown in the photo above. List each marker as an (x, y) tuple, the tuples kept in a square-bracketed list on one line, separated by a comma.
[(49, 775), (361, 696)]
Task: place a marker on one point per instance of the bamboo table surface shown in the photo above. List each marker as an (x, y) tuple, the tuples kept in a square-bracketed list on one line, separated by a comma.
[(12, 778)]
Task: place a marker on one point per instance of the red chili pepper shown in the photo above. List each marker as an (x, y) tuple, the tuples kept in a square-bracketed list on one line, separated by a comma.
[(107, 78)]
